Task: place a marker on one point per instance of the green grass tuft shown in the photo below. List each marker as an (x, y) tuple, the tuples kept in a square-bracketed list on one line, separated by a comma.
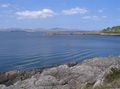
[(113, 75)]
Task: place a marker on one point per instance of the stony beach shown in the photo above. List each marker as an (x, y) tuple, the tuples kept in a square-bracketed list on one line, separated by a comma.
[(95, 73)]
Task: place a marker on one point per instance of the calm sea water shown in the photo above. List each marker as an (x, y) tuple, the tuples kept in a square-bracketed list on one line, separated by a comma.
[(20, 50)]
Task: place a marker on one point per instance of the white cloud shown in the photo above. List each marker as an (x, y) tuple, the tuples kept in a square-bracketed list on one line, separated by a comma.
[(36, 14), (94, 17), (76, 10), (9, 6), (4, 5)]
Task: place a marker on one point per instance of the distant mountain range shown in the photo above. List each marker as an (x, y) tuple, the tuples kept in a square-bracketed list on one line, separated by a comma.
[(18, 30), (36, 30), (65, 31)]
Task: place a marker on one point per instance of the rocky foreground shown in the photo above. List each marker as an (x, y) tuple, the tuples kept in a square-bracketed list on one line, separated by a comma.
[(90, 74)]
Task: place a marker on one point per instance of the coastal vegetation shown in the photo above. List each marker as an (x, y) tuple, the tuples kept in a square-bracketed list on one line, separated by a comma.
[(114, 29), (113, 75), (111, 80)]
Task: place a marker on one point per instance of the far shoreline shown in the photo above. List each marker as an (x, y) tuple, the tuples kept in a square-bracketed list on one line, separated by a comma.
[(52, 33), (81, 33)]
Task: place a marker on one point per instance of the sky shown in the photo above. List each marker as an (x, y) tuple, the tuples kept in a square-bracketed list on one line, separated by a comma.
[(77, 14)]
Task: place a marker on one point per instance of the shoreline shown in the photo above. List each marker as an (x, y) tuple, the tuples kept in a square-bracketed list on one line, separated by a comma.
[(11, 76), (81, 33), (95, 66), (69, 33)]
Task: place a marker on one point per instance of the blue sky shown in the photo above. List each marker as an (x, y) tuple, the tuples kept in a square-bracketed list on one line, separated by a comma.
[(80, 14)]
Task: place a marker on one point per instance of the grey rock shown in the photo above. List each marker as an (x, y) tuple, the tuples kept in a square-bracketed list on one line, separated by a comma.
[(2, 86), (46, 81), (72, 63), (65, 77)]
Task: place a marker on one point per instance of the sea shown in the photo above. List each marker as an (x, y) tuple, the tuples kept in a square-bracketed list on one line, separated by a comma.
[(28, 50)]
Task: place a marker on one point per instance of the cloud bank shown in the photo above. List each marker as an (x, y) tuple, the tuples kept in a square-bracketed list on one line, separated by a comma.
[(94, 17), (44, 13), (76, 10)]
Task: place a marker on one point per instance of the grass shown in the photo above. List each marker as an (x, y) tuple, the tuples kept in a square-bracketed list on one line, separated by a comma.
[(112, 81), (113, 75)]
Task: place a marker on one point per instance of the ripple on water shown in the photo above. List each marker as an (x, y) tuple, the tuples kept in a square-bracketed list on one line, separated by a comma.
[(50, 60)]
